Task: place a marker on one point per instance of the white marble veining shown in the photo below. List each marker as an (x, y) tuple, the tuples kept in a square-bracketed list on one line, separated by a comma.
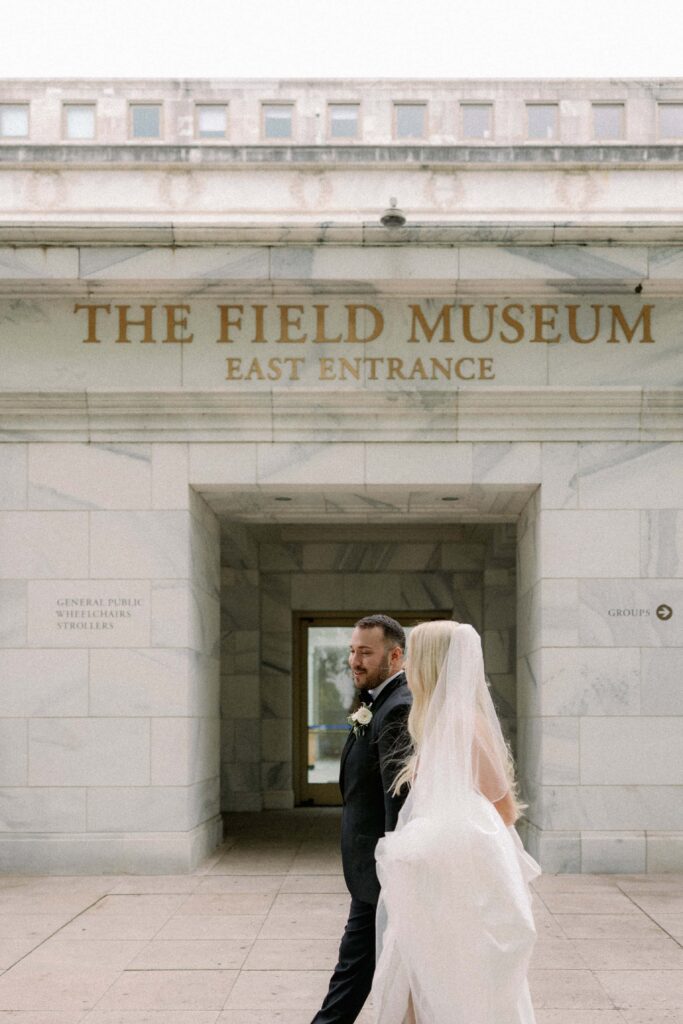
[(632, 751), (661, 692), (135, 683), (613, 852), (584, 544), (43, 545), (92, 476), (611, 807), (130, 263), (170, 476), (633, 476), (590, 681), (66, 752), (224, 463), (310, 464), (140, 545), (661, 542), (38, 263), (43, 683), (13, 476), (560, 466), (184, 750), (546, 263)]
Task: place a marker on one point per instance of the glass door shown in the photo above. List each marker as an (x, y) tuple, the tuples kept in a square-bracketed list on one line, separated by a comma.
[(324, 693)]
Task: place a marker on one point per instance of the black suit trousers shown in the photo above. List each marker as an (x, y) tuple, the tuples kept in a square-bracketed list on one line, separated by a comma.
[(352, 979)]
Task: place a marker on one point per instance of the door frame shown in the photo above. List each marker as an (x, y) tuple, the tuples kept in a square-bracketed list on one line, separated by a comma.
[(327, 794)]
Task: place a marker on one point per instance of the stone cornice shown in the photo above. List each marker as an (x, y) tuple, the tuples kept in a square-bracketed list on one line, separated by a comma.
[(473, 414), (205, 156)]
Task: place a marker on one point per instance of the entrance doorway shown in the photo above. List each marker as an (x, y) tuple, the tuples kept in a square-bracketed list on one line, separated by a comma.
[(323, 696)]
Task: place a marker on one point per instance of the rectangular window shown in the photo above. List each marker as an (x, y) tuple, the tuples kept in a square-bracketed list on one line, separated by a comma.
[(543, 120), (212, 121), (344, 120), (145, 121), (278, 120), (477, 120), (79, 121), (608, 120), (14, 121), (671, 120), (411, 120)]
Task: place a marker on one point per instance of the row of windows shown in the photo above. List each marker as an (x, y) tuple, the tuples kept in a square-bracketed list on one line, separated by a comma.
[(410, 121)]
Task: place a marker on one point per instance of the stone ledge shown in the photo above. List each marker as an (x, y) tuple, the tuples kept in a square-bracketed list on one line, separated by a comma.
[(486, 414)]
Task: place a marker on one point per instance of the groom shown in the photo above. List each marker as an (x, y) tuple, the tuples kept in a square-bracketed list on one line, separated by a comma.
[(374, 750)]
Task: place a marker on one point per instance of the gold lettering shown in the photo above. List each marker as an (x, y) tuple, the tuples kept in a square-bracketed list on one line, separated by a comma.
[(418, 370), (227, 323), (125, 323), (459, 372), (443, 368), (255, 371), (540, 322), (573, 328), (92, 320), (395, 369), (286, 323), (444, 318), (173, 321), (352, 334), (371, 362), (513, 322), (274, 369), (234, 369), (486, 369), (467, 324), (294, 363), (353, 369), (259, 334), (619, 318), (320, 336), (326, 369)]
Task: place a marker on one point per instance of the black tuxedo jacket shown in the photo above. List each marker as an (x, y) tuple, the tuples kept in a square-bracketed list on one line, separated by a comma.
[(369, 764)]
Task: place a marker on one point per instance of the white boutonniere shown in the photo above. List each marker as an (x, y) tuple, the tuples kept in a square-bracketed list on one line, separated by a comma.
[(360, 720)]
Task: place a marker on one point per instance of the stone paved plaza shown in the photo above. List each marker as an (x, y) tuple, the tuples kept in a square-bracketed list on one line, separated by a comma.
[(251, 936)]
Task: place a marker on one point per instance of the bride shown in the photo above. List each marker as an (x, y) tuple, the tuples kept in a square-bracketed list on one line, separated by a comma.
[(454, 922)]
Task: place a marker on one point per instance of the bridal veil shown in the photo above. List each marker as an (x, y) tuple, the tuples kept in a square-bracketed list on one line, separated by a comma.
[(455, 927)]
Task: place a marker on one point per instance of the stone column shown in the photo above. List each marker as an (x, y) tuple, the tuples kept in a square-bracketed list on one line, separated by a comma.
[(109, 573), (600, 719)]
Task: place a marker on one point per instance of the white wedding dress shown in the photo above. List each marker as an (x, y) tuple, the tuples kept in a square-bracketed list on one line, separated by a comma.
[(454, 922)]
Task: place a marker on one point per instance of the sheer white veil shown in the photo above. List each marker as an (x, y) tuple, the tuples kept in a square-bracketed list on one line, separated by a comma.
[(455, 927)]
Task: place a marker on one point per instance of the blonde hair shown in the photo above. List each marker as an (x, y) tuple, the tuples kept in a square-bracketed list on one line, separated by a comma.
[(428, 645)]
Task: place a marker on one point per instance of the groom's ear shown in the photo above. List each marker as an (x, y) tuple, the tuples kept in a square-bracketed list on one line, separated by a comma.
[(396, 656)]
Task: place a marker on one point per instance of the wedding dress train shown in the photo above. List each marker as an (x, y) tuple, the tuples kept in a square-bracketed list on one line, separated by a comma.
[(455, 926)]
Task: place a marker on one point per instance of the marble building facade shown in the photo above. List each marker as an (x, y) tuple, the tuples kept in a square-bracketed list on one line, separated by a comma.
[(229, 394)]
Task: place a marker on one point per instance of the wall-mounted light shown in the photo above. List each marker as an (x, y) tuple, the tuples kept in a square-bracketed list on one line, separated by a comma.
[(393, 217)]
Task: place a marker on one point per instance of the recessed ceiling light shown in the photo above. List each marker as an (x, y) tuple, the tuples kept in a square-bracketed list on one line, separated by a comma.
[(282, 498), (450, 499)]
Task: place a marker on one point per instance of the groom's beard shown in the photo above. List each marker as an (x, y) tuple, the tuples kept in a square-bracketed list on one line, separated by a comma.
[(369, 680)]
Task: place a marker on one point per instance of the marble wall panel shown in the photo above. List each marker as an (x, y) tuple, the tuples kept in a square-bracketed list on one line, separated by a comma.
[(559, 613), (89, 476), (276, 602), (43, 683), (560, 475), (47, 808), (89, 752), (310, 465), (276, 738), (184, 750), (559, 853), (240, 654), (376, 591), (623, 613), (589, 544), (170, 476), (119, 616), (421, 590), (664, 852), (506, 463), (14, 746), (276, 695), (632, 751), (39, 262), (138, 809), (13, 476), (551, 750), (202, 263), (498, 655), (288, 557), (547, 263), (205, 547), (371, 557), (624, 807), (240, 697), (462, 557), (630, 476), (43, 545), (661, 692), (613, 852), (133, 545), (222, 463), (240, 599), (591, 681), (661, 542), (529, 688), (135, 683), (247, 741), (431, 463), (13, 613)]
